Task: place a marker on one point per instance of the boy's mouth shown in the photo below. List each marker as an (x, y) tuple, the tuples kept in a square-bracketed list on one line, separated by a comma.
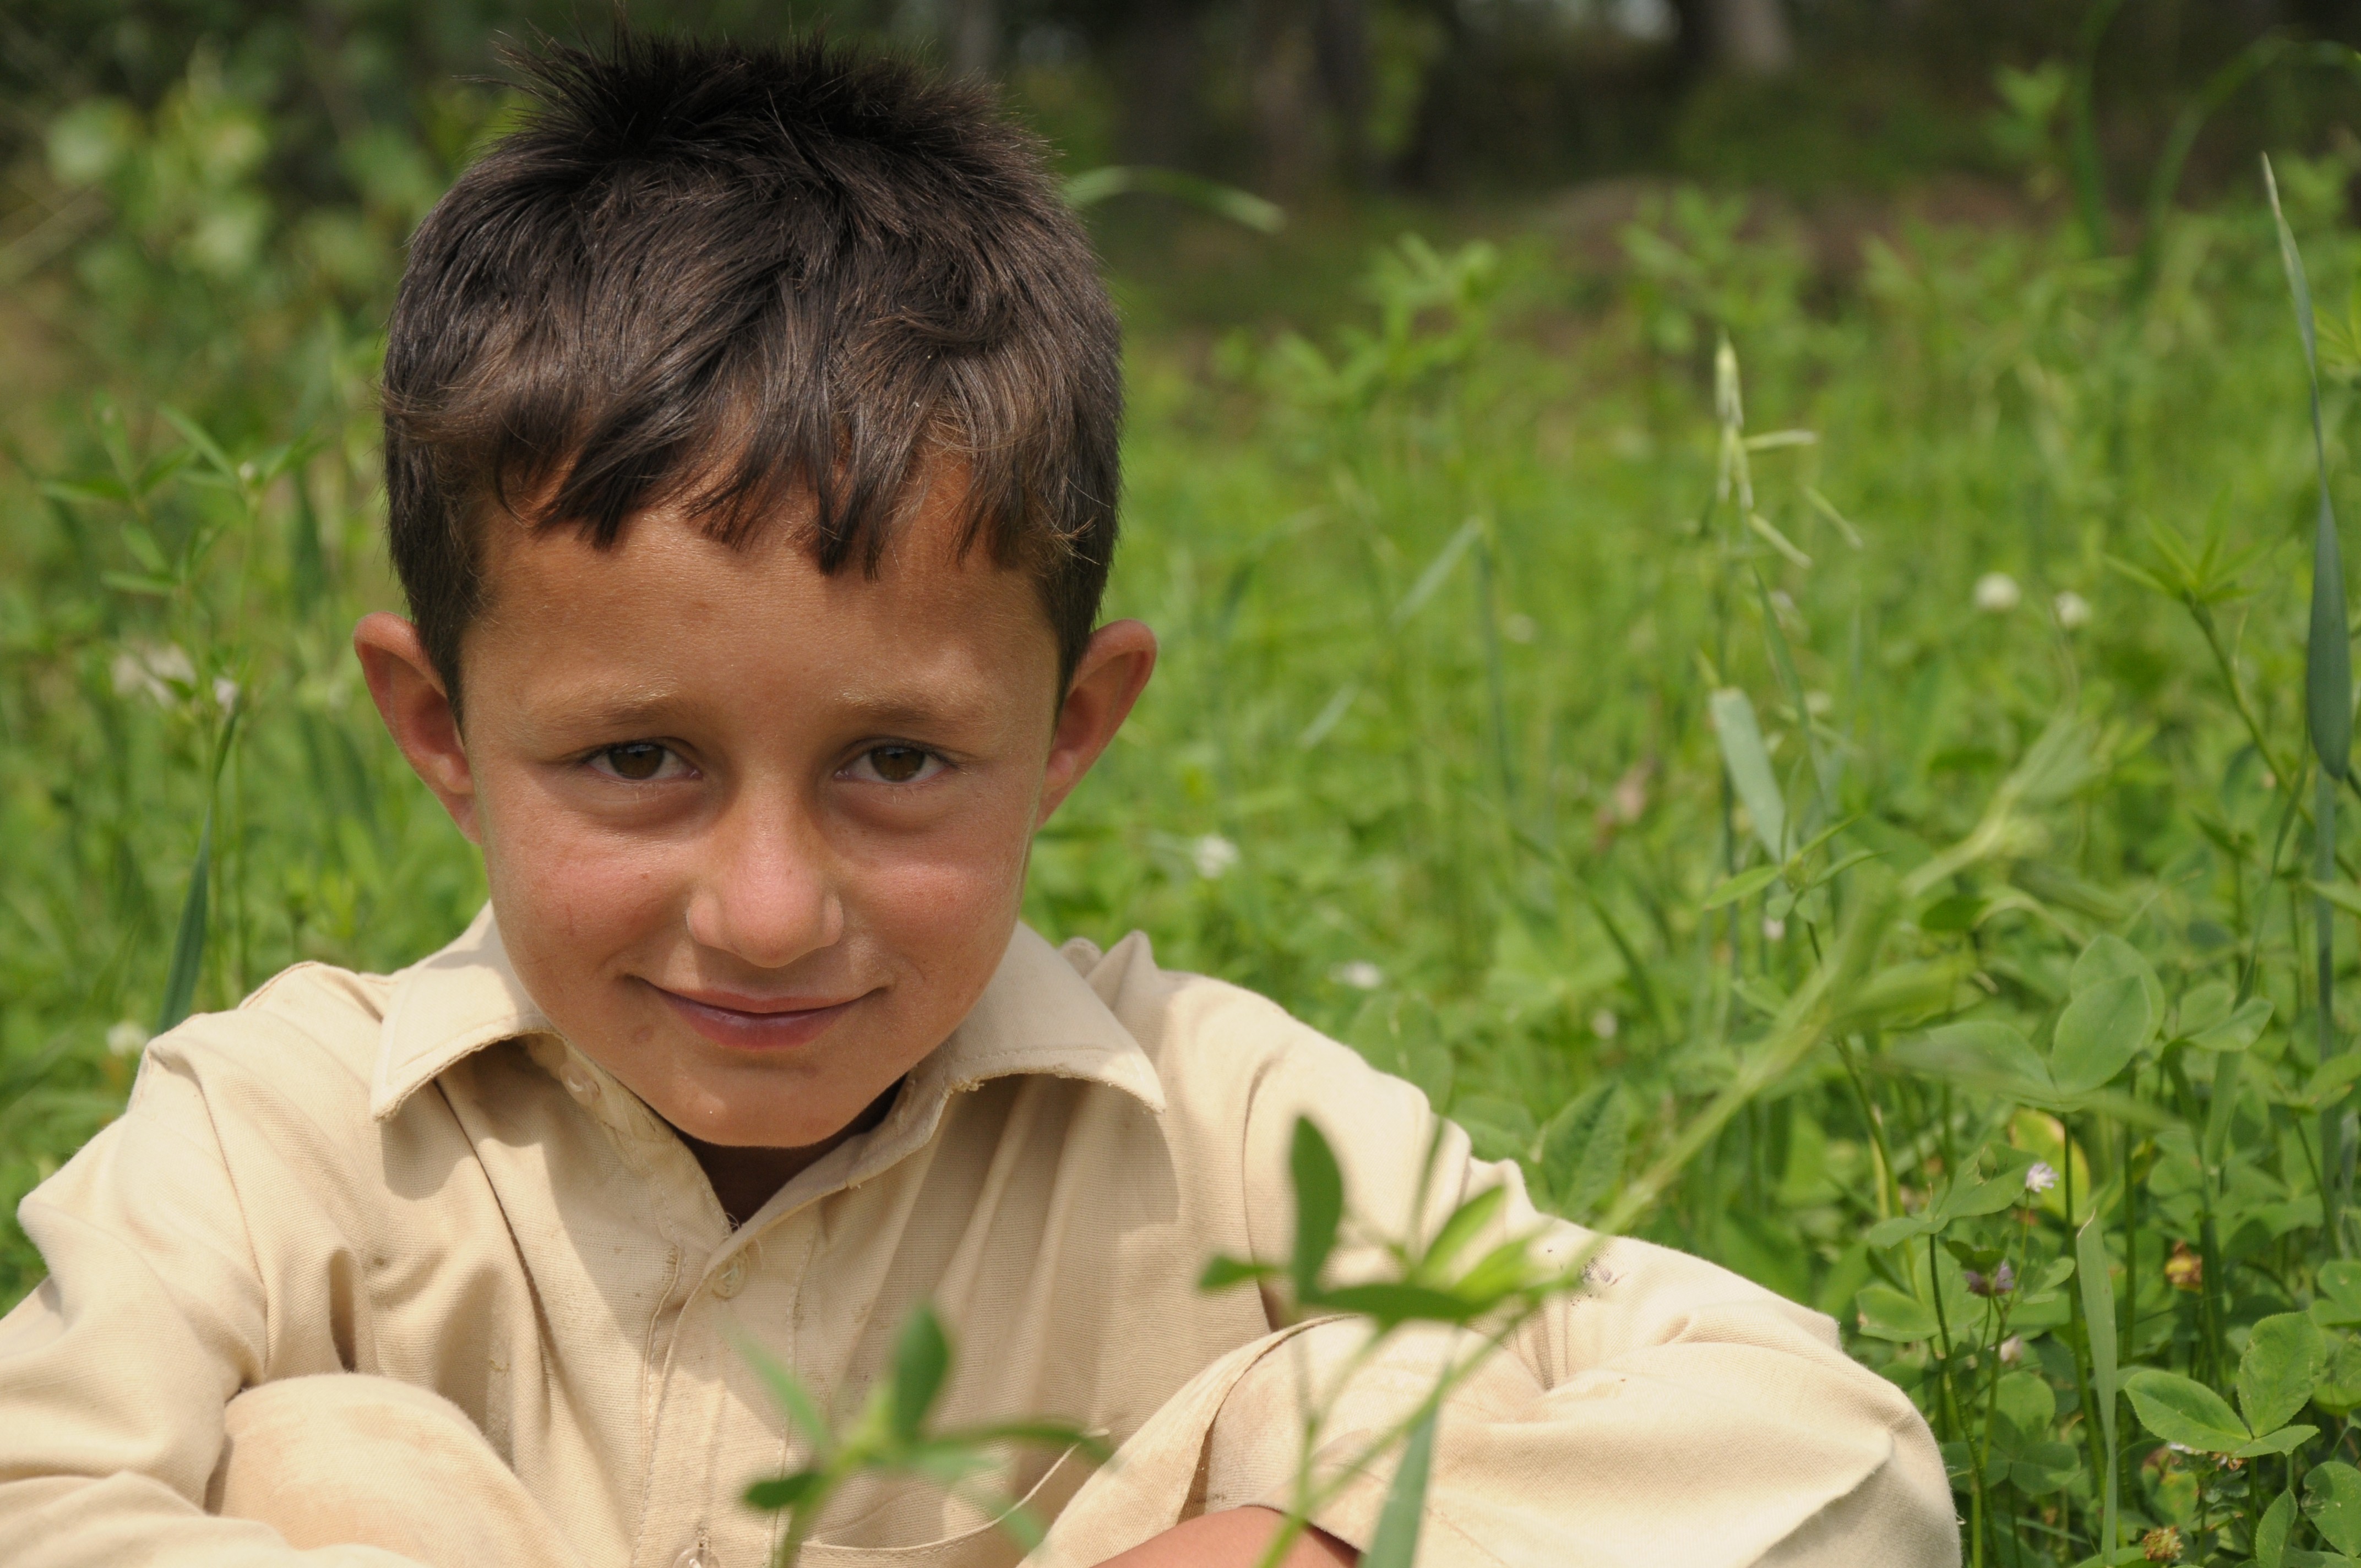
[(756, 1024)]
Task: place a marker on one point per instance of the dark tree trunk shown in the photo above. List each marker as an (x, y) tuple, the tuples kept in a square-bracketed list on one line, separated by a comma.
[(1735, 37), (1157, 56), (1341, 46), (1281, 87)]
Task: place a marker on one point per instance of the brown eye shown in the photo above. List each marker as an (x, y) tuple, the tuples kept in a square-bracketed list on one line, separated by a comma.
[(897, 764), (635, 760)]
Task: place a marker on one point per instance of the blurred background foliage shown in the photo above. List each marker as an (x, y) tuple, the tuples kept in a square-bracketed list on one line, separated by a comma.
[(1461, 526)]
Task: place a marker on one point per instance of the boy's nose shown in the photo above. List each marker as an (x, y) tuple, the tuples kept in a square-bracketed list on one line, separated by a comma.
[(766, 896)]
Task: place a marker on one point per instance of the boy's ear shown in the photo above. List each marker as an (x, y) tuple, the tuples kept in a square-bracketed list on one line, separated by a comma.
[(417, 711), (1108, 678)]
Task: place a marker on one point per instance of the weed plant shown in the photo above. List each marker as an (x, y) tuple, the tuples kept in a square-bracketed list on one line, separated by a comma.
[(1845, 751)]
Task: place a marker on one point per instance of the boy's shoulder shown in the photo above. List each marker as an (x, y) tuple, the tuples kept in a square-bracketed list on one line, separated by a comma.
[(312, 1027), (1209, 1037)]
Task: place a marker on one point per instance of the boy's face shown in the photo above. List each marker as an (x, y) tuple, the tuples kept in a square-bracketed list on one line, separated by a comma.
[(756, 836)]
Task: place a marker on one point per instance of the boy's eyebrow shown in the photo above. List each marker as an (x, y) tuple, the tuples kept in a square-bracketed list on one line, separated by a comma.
[(653, 706)]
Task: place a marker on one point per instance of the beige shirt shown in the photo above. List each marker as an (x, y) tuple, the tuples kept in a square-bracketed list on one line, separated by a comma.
[(413, 1176)]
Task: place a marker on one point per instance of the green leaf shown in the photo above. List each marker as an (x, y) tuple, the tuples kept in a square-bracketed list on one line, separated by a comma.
[(2222, 1109), (1224, 1272), (1391, 1305), (921, 1358), (2204, 1006), (1093, 186), (2271, 1535), (1507, 1270), (2284, 1440), (2100, 1032), (2242, 1029), (2183, 1410), (2334, 1076), (2110, 957), (1583, 1146), (153, 588), (1749, 769), (1888, 1314), (2027, 1407), (1967, 1198), (1395, 1543), (2341, 1278), (1745, 884), (2332, 1500), (784, 1491), (789, 1392), (2044, 1467), (1979, 1051), (1465, 1222), (195, 435), (1319, 1205), (2286, 1358), (1041, 1434), (2340, 1389), (2343, 896), (1900, 1229)]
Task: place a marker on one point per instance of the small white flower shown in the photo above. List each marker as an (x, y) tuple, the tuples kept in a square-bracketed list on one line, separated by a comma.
[(225, 692), (1817, 703), (1520, 628), (2074, 611), (1213, 855), (1361, 974), (1998, 593), (150, 670), (125, 1039), (1604, 1022), (2012, 1350), (1774, 929), (2041, 1177)]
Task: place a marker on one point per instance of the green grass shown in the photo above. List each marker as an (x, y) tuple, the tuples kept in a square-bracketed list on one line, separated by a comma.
[(1452, 596)]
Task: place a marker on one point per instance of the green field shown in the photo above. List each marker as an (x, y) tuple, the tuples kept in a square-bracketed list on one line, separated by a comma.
[(1470, 589)]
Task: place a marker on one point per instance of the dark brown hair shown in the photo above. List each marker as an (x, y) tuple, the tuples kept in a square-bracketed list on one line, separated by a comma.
[(737, 277)]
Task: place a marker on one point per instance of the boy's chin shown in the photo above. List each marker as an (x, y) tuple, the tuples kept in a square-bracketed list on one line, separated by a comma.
[(750, 1107)]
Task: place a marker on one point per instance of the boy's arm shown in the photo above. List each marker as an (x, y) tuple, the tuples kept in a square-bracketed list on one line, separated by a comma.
[(114, 1373), (1668, 1399)]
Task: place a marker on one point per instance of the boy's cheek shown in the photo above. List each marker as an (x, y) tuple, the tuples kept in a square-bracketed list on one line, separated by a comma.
[(553, 880)]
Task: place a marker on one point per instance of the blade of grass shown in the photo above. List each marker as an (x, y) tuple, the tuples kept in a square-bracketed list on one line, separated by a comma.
[(2328, 706), (188, 939), (1395, 1544), (2098, 1292), (1749, 769)]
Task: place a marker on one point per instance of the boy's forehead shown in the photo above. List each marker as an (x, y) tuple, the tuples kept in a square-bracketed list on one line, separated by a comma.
[(640, 625)]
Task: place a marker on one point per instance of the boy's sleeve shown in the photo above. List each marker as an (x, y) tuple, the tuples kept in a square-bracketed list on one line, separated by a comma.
[(1670, 1412), (115, 1372)]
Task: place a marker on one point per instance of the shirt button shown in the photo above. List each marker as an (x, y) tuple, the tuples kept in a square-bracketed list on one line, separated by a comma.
[(731, 1279), (693, 1557), (582, 1086)]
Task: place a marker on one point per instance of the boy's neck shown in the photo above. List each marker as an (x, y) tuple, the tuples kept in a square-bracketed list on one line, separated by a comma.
[(745, 1179)]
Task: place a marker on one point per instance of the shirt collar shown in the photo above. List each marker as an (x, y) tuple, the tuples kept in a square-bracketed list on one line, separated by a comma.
[(1036, 1017)]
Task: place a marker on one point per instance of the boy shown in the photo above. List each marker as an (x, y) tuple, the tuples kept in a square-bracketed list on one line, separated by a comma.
[(750, 432)]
